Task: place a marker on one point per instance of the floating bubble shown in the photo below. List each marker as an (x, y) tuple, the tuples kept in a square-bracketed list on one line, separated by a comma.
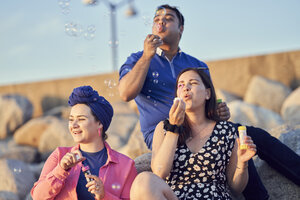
[(155, 74), (160, 11), (89, 36), (91, 29), (115, 186), (111, 43), (149, 90), (155, 103), (73, 29), (110, 83), (155, 81), (66, 11), (148, 97), (148, 21), (64, 3), (127, 69)]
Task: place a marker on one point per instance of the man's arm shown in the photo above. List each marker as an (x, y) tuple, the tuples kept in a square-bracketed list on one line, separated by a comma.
[(132, 83)]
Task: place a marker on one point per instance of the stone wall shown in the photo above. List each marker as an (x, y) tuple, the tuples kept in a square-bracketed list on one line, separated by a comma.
[(233, 75)]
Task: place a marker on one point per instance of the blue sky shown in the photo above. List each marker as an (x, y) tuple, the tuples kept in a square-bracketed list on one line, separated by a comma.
[(34, 45)]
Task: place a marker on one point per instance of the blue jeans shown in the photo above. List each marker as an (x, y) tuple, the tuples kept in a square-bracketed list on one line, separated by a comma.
[(277, 155)]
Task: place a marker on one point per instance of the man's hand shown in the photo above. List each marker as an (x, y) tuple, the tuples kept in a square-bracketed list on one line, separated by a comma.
[(150, 45), (223, 111)]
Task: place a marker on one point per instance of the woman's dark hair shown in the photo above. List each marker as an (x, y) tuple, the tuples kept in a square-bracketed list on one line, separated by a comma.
[(210, 104), (175, 9), (103, 134)]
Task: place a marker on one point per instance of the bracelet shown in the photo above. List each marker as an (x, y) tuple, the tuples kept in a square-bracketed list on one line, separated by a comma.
[(173, 128)]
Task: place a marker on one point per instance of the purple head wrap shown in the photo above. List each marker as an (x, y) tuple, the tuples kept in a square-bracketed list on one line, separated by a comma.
[(100, 107)]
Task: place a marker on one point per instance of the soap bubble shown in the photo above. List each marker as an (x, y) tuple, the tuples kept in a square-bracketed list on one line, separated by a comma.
[(155, 81), (73, 29), (110, 83), (115, 186)]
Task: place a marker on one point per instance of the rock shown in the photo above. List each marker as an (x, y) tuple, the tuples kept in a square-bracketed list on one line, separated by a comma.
[(278, 186), (15, 110), (252, 115), (262, 91), (4, 195), (60, 112), (56, 135), (290, 110), (226, 96), (15, 177), (291, 137), (143, 163), (136, 145), (31, 132), (122, 125), (36, 169), (10, 150)]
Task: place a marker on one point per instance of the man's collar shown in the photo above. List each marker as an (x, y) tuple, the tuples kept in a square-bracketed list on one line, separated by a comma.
[(160, 52)]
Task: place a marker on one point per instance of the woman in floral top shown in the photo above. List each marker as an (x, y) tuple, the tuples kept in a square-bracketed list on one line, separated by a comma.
[(194, 154)]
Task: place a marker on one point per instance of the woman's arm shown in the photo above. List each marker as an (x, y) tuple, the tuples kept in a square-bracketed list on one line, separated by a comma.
[(163, 151), (51, 180), (164, 145), (237, 169)]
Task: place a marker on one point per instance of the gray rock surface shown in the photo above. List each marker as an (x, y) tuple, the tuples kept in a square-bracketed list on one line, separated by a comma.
[(266, 93), (249, 114), (16, 177), (15, 110), (122, 125), (143, 163), (10, 150), (226, 96), (136, 145), (31, 132), (290, 110), (56, 135)]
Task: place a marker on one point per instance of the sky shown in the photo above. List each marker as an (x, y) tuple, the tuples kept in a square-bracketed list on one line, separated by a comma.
[(53, 39)]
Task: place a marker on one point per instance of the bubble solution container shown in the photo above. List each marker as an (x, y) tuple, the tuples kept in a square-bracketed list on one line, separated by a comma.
[(86, 171), (242, 136)]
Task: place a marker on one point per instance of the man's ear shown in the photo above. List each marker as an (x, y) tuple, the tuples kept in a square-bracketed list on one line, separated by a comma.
[(181, 28)]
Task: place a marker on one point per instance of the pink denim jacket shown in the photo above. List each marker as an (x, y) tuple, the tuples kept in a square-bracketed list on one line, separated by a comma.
[(55, 183)]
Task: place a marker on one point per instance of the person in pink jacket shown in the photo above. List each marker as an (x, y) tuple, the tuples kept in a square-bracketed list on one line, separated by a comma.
[(90, 170)]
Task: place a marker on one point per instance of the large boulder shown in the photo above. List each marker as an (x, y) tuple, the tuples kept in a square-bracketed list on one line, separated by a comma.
[(16, 178), (56, 135), (278, 186), (15, 110), (290, 110), (122, 125), (252, 115), (266, 93), (10, 150), (226, 96), (143, 163), (136, 145), (31, 132), (4, 195)]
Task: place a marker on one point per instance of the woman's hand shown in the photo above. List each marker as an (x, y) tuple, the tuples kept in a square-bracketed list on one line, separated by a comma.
[(177, 112), (245, 154), (95, 187), (71, 159)]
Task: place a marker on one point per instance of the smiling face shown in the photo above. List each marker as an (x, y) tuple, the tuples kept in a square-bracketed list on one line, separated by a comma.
[(82, 125), (192, 90), (166, 26)]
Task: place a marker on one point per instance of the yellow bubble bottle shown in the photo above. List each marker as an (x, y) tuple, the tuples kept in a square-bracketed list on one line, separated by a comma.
[(242, 135)]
